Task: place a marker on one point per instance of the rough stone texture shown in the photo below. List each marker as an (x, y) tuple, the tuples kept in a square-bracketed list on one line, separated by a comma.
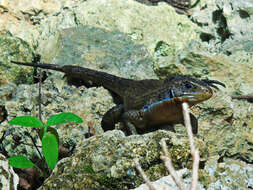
[(226, 25), (6, 92), (218, 46), (31, 8), (8, 178), (230, 174), (13, 48), (38, 24), (103, 50), (145, 24), (106, 161), (167, 182), (90, 104), (23, 18)]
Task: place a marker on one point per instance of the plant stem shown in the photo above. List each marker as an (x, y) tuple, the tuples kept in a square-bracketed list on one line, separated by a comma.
[(39, 97), (33, 141)]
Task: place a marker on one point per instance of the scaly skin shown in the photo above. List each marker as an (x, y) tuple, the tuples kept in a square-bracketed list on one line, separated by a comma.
[(181, 6), (142, 105)]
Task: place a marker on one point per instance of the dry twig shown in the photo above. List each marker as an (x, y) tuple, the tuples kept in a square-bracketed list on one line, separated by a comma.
[(194, 151), (167, 161), (249, 98)]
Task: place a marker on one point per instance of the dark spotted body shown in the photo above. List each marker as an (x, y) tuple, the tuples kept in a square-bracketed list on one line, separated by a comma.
[(181, 6), (141, 104)]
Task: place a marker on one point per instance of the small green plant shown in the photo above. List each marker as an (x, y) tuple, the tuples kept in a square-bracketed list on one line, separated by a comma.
[(48, 136)]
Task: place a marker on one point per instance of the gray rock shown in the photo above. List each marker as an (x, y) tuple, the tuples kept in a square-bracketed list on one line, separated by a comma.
[(106, 161), (38, 24), (8, 178), (166, 182), (219, 48), (231, 174), (13, 48), (109, 51), (226, 25)]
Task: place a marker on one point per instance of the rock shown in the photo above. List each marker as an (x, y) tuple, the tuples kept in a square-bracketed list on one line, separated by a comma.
[(31, 8), (166, 182), (38, 24), (90, 104), (13, 48), (23, 18), (109, 35), (103, 50), (144, 24), (227, 175), (8, 178), (106, 161), (226, 25)]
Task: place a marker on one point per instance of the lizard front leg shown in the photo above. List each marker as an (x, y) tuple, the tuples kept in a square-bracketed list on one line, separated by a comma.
[(194, 123), (130, 119), (133, 119), (111, 117)]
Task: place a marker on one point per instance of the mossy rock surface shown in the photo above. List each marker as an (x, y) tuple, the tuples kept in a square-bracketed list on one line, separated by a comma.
[(106, 161), (13, 48)]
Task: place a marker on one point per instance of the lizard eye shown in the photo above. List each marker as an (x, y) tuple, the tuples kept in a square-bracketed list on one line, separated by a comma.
[(187, 85)]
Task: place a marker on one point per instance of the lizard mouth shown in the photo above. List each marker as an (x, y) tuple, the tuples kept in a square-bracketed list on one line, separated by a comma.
[(194, 98)]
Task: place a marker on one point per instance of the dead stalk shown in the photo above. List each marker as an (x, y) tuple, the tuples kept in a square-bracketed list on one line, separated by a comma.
[(167, 161), (194, 151)]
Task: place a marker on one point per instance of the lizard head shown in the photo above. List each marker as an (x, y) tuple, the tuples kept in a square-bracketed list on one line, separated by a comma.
[(191, 90)]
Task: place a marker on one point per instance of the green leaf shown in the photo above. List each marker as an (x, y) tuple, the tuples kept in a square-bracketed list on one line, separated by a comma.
[(63, 118), (27, 121), (50, 149), (20, 162), (50, 130)]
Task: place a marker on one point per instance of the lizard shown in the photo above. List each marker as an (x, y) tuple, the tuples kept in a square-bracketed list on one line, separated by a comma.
[(180, 6), (141, 105)]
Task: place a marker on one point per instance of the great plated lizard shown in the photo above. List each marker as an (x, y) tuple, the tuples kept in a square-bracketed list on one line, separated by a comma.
[(143, 105)]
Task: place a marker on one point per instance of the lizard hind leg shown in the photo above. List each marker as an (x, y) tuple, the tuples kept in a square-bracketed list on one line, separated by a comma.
[(111, 117)]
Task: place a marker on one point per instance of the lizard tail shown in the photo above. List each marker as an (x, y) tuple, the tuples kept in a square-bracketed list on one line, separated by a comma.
[(113, 83), (41, 65)]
